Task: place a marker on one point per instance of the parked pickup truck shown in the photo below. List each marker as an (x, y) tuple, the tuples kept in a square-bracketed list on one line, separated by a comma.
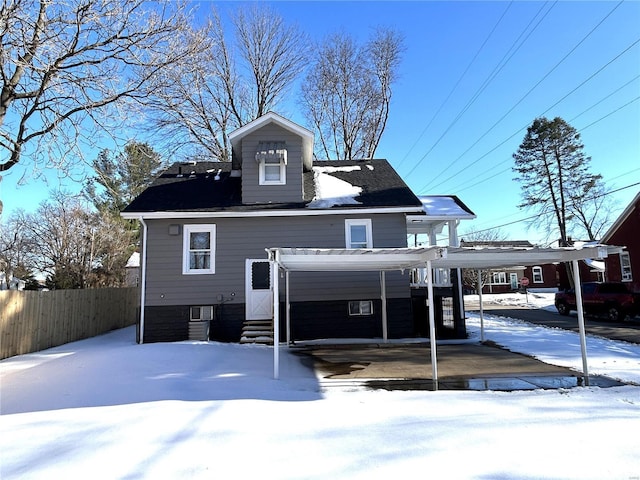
[(601, 298)]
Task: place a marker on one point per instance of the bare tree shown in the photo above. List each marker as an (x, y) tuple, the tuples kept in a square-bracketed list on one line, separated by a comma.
[(347, 92), (15, 247), (76, 247), (592, 212), (474, 278), (69, 66), (232, 83)]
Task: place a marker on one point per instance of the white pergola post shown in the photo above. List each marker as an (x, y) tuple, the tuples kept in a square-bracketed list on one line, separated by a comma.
[(276, 319), (383, 297), (479, 273), (583, 340), (432, 326), (288, 318)]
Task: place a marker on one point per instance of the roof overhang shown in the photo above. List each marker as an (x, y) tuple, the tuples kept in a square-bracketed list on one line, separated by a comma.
[(436, 211), (263, 213), (342, 259)]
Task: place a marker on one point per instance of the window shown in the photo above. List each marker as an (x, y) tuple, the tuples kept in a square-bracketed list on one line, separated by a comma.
[(361, 307), (625, 266), (199, 249), (201, 313), (499, 277), (537, 274), (358, 233), (272, 163)]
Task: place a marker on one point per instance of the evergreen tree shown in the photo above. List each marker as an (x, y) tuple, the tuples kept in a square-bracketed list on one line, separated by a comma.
[(554, 172), (122, 176)]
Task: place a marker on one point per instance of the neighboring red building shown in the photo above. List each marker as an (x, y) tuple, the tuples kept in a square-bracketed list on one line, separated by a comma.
[(508, 279), (625, 232)]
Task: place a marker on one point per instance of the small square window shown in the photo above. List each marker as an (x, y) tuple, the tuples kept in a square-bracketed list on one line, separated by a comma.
[(360, 307)]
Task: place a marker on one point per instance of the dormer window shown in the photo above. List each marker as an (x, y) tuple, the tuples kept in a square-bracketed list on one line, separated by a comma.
[(272, 161)]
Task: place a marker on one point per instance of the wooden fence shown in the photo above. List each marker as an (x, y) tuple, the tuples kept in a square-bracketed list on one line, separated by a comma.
[(34, 321)]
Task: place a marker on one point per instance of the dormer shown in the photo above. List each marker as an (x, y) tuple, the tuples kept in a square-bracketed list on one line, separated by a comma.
[(272, 153)]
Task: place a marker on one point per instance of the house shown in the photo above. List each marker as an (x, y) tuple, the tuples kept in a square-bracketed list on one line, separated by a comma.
[(207, 226), (503, 280), (625, 267)]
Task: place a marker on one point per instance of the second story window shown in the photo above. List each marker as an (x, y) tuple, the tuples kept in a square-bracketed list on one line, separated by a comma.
[(272, 163), (358, 233)]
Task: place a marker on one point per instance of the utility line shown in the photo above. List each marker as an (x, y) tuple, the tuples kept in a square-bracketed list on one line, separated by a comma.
[(455, 87), (545, 76), (497, 69), (542, 114), (544, 212), (461, 187)]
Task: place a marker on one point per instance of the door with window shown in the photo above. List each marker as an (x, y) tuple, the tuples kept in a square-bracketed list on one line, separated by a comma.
[(513, 279), (258, 290)]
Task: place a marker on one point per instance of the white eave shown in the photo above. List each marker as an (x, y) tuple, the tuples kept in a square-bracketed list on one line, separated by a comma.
[(236, 136), (437, 210), (265, 213)]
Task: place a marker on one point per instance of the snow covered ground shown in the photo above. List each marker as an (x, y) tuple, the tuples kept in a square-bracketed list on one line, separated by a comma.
[(106, 408)]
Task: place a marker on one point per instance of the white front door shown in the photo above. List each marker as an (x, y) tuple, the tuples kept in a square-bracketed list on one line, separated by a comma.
[(513, 278), (258, 290)]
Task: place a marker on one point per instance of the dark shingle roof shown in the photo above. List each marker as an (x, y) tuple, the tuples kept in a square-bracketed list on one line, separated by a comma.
[(209, 186)]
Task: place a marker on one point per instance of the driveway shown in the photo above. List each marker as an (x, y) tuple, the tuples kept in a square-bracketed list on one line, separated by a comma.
[(628, 331), (467, 366)]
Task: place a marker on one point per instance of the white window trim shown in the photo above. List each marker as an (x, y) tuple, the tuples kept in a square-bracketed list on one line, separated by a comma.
[(194, 228), (262, 174), (360, 303), (501, 278), (358, 222), (539, 272), (626, 277)]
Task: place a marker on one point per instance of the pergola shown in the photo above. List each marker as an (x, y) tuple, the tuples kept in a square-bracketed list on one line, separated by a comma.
[(393, 259)]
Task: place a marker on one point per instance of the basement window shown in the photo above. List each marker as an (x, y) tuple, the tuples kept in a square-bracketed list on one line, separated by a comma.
[(201, 313), (360, 307)]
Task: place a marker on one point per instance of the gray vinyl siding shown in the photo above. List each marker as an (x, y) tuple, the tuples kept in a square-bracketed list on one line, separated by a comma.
[(240, 238), (252, 191)]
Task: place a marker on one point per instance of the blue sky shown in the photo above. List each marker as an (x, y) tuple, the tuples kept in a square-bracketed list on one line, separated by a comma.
[(473, 77)]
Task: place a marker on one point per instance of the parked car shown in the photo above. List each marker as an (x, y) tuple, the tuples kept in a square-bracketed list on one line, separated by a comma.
[(601, 298)]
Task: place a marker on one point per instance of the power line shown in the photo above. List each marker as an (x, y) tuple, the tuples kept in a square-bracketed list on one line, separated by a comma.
[(544, 212), (461, 187), (627, 49), (494, 73), (545, 76), (455, 87)]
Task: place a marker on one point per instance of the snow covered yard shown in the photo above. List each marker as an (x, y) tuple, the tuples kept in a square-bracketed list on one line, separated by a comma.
[(106, 408)]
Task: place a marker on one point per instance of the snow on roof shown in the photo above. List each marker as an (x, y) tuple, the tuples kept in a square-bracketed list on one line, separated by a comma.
[(444, 206), (332, 191)]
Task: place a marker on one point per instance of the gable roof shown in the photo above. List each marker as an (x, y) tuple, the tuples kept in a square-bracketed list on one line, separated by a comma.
[(210, 187), (236, 136), (622, 218)]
